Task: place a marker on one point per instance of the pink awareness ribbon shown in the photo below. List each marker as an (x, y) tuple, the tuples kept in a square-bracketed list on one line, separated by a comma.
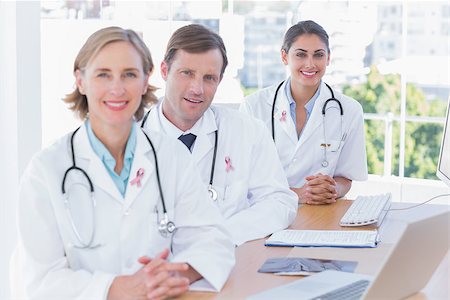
[(137, 180), (228, 167), (283, 116)]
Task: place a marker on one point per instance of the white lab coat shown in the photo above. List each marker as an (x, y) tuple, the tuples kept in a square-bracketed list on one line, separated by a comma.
[(253, 196), (303, 157), (48, 266)]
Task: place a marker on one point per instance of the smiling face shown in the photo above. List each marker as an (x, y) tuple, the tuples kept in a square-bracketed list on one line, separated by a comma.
[(191, 82), (307, 60), (113, 82)]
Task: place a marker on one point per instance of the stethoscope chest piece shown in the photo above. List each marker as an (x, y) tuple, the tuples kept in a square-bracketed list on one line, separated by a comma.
[(171, 227), (325, 163), (212, 193), (165, 226)]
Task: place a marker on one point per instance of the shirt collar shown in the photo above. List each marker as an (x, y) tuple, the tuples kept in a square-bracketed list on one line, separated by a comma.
[(172, 130), (309, 105), (103, 153), (287, 90), (131, 143)]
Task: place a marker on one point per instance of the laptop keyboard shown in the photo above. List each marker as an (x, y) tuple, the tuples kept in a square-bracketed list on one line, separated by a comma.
[(353, 291)]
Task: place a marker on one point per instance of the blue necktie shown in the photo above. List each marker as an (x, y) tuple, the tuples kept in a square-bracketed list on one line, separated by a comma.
[(188, 139)]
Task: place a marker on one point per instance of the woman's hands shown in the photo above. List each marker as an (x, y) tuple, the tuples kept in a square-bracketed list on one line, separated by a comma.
[(318, 189), (322, 189), (157, 279)]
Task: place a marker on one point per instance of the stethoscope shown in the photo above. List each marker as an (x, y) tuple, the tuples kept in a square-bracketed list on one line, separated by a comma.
[(165, 226), (211, 190), (324, 109)]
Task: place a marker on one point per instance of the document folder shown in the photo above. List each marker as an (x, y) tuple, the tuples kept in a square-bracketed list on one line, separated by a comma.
[(324, 238)]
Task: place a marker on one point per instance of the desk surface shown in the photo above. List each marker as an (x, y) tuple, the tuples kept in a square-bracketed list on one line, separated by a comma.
[(244, 280)]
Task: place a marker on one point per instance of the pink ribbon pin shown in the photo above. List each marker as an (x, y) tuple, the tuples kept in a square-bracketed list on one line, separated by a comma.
[(137, 180), (283, 116), (228, 167)]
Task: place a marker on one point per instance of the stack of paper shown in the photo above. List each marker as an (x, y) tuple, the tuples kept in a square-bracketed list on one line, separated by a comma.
[(324, 238)]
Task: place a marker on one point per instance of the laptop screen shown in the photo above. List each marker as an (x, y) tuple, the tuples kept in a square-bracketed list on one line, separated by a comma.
[(443, 168)]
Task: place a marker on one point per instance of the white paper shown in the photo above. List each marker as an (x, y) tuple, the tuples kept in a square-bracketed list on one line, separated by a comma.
[(299, 273), (318, 238)]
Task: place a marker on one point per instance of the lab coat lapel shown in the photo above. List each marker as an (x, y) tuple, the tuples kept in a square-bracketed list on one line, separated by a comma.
[(89, 161), (203, 142), (143, 159), (315, 119), (153, 121), (282, 115)]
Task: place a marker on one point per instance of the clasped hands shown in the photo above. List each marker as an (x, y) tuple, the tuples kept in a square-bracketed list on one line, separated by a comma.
[(318, 189), (157, 279)]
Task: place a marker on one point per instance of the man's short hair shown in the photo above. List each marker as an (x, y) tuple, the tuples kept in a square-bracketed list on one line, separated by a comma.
[(195, 38)]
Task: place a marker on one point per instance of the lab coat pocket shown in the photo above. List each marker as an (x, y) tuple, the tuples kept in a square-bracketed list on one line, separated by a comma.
[(235, 198), (335, 145), (332, 146), (220, 192), (328, 154), (84, 258)]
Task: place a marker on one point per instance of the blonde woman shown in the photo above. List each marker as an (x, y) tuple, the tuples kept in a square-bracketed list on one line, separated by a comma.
[(100, 208)]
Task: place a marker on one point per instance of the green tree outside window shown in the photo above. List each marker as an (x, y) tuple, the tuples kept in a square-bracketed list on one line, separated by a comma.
[(381, 94)]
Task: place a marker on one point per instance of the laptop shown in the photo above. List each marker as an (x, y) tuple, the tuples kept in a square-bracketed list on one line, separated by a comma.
[(405, 271)]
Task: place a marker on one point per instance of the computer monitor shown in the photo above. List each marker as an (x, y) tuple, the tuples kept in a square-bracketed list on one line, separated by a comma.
[(443, 168)]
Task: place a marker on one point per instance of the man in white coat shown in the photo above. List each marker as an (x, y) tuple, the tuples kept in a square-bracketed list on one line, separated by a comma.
[(234, 153)]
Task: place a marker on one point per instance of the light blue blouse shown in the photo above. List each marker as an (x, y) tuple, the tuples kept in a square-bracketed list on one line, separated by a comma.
[(109, 162), (292, 105)]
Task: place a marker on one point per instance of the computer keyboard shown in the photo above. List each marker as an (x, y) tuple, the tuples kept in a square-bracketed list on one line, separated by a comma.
[(367, 210)]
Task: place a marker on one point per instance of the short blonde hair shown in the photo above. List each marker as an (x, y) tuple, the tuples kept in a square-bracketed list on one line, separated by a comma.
[(96, 42)]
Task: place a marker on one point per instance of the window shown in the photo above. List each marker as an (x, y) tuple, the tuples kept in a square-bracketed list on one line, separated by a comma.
[(366, 38)]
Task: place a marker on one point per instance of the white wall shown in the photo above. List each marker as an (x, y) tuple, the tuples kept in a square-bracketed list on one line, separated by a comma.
[(410, 190), (20, 118), (8, 139)]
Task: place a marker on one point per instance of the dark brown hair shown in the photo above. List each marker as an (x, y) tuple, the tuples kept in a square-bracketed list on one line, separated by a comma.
[(304, 27)]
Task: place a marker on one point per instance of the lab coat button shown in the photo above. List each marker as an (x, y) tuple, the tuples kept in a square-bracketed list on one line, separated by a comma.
[(127, 212)]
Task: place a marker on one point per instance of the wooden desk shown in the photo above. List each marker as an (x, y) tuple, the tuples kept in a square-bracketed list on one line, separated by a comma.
[(244, 280)]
